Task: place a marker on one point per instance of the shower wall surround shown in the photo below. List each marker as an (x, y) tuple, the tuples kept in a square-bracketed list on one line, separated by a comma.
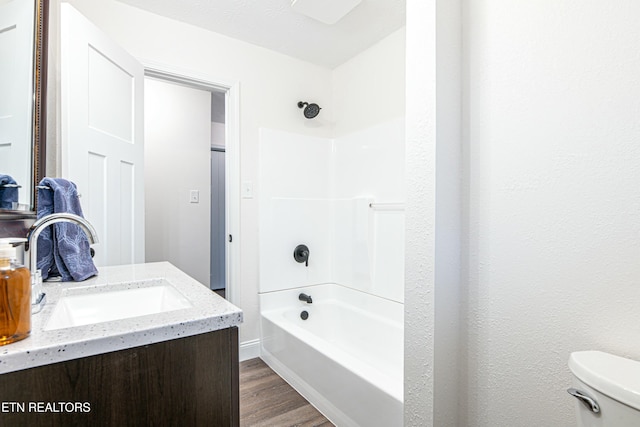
[(317, 191)]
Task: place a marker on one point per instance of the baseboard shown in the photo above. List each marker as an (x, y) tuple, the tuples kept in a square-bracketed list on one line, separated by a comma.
[(249, 349)]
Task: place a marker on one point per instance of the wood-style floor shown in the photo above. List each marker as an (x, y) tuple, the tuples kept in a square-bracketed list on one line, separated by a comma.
[(266, 400)]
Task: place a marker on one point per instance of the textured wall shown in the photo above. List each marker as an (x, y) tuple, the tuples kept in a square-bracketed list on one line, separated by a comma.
[(420, 214), (433, 350), (553, 153), (449, 349)]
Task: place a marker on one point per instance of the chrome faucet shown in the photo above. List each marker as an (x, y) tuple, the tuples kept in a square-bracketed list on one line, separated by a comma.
[(31, 246)]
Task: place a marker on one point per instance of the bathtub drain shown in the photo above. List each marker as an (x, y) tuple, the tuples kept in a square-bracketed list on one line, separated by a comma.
[(304, 315)]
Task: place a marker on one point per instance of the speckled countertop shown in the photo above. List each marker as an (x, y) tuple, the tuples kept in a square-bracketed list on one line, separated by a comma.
[(209, 312)]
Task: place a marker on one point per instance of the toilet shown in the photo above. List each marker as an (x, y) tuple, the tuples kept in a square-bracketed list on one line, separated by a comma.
[(606, 388)]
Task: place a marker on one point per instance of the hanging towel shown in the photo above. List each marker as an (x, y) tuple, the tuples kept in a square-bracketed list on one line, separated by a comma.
[(8, 195), (63, 248)]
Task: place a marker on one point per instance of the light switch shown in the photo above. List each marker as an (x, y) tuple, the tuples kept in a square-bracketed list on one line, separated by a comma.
[(194, 196), (247, 190)]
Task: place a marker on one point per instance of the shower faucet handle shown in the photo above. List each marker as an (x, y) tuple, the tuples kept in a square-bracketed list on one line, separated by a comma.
[(301, 254)]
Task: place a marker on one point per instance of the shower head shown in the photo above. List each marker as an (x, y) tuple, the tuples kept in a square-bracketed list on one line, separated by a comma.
[(310, 110)]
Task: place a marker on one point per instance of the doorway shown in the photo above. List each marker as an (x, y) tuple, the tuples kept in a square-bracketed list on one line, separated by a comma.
[(190, 176), (218, 192)]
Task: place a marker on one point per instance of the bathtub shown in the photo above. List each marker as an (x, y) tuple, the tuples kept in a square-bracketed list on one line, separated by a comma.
[(346, 358)]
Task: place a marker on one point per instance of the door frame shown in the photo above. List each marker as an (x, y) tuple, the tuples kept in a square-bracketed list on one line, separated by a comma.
[(208, 82)]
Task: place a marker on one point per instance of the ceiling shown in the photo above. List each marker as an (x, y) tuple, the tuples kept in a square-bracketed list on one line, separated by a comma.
[(274, 25)]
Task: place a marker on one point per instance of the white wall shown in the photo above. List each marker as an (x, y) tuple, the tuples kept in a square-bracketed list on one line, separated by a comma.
[(448, 347), (218, 134), (368, 89), (271, 84), (552, 151), (419, 325), (551, 261), (433, 361), (177, 161)]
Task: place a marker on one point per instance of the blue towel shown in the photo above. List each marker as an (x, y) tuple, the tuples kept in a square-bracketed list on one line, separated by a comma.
[(8, 195), (63, 248)]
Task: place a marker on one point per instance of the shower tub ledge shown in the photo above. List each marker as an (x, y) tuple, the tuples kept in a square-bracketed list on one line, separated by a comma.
[(346, 359)]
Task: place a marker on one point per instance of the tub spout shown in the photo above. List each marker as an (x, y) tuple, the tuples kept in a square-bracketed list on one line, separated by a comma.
[(306, 298)]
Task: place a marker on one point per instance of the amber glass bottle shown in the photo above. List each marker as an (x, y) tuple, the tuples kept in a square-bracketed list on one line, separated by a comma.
[(15, 298)]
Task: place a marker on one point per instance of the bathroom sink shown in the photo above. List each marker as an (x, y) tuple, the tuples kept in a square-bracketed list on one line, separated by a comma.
[(104, 304)]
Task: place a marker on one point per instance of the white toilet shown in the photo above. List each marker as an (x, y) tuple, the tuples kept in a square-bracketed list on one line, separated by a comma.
[(607, 389)]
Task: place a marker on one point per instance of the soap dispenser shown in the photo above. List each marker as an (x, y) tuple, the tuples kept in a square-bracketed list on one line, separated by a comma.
[(15, 296)]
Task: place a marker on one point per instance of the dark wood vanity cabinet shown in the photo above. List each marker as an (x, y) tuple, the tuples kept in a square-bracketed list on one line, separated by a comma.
[(190, 381)]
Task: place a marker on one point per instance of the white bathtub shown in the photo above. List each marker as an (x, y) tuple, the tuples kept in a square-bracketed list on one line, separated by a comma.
[(346, 358)]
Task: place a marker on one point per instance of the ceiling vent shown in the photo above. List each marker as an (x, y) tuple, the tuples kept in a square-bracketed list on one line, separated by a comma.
[(325, 11)]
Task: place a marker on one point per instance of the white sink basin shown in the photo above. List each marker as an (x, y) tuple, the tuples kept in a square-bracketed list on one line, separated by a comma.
[(103, 306)]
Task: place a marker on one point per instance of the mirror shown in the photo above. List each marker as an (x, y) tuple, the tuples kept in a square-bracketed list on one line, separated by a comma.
[(23, 45)]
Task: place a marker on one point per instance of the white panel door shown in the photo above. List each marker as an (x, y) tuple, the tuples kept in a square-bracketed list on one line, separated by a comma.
[(102, 93), (16, 93)]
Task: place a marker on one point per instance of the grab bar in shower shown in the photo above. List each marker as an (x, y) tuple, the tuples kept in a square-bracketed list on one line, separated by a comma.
[(387, 206)]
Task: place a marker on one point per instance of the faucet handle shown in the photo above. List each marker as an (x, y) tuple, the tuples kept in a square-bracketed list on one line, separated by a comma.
[(301, 254), (38, 297)]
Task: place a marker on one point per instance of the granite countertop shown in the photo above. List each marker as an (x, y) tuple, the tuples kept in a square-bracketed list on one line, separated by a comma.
[(209, 312)]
